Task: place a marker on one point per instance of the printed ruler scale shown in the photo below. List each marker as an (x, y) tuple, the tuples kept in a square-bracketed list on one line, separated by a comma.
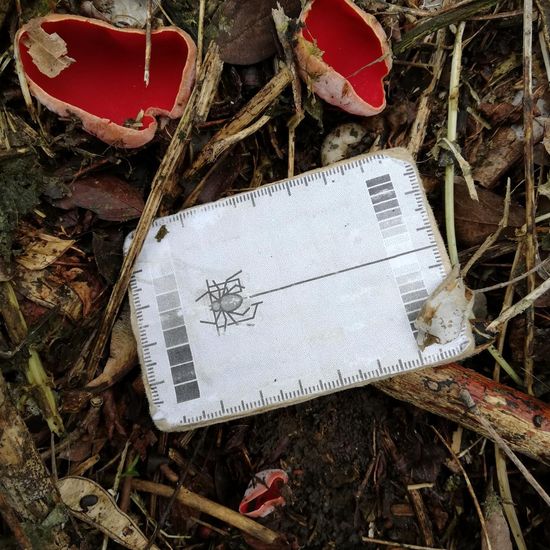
[(291, 291)]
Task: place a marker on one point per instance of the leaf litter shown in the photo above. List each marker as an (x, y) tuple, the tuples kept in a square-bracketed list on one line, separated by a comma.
[(361, 466)]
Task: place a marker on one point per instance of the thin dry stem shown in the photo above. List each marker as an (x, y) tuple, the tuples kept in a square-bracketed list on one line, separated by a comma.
[(470, 489), (241, 122), (530, 198), (200, 35), (507, 500), (398, 544), (148, 42), (420, 125), (513, 281), (211, 508), (452, 117), (519, 307), (472, 408), (491, 239)]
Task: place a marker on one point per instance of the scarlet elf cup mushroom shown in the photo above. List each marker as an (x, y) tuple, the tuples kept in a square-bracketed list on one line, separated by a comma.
[(344, 55), (86, 68), (263, 494)]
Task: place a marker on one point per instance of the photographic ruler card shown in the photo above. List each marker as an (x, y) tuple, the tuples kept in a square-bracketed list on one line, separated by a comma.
[(288, 292)]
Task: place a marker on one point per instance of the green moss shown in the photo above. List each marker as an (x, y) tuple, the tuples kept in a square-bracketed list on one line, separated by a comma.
[(21, 181), (185, 14)]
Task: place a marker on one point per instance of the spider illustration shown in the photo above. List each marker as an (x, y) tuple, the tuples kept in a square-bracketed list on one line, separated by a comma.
[(227, 303)]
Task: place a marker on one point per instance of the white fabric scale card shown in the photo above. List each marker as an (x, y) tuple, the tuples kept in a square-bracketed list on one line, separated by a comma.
[(288, 292)]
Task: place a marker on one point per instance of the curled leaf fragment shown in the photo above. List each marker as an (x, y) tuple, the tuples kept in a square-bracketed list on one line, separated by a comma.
[(446, 312)]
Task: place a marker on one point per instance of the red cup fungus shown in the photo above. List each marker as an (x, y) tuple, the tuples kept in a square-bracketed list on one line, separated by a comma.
[(344, 55), (87, 68), (263, 494)]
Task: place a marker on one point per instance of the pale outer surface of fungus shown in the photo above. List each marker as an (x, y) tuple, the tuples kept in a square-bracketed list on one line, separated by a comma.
[(329, 84), (103, 128)]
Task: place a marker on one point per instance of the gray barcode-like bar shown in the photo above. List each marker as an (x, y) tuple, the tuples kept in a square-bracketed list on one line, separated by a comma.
[(178, 350), (390, 220)]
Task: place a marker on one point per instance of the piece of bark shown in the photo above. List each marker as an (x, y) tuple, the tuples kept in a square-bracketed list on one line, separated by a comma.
[(24, 481), (520, 419), (244, 29), (500, 153)]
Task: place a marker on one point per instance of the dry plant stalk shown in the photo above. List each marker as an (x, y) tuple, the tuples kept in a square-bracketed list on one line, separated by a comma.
[(530, 198), (491, 239), (202, 504), (519, 307), (420, 124), (148, 42), (199, 103), (236, 129), (282, 25), (470, 489), (452, 118)]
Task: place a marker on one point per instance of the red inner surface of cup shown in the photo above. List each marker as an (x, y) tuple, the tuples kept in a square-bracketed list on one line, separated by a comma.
[(106, 78), (348, 45), (271, 493)]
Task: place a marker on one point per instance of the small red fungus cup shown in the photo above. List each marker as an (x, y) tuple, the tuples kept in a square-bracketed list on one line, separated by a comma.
[(263, 494), (103, 85), (344, 55)]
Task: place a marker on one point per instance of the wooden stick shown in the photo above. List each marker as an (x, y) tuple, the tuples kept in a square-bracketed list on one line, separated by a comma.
[(148, 42), (521, 420), (245, 118), (470, 490), (420, 125), (530, 197), (202, 504), (202, 95)]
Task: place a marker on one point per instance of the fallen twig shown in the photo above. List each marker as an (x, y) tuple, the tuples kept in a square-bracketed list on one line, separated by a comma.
[(398, 544), (519, 307), (211, 508), (470, 489), (530, 198), (470, 404), (418, 129), (148, 42), (243, 122), (520, 419)]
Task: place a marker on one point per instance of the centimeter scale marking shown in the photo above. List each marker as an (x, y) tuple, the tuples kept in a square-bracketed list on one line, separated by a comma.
[(411, 286)]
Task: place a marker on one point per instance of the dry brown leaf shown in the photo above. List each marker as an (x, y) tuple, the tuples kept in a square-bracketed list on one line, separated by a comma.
[(476, 220), (48, 51), (123, 353), (43, 289), (43, 251), (500, 153), (85, 284), (245, 31), (110, 197)]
